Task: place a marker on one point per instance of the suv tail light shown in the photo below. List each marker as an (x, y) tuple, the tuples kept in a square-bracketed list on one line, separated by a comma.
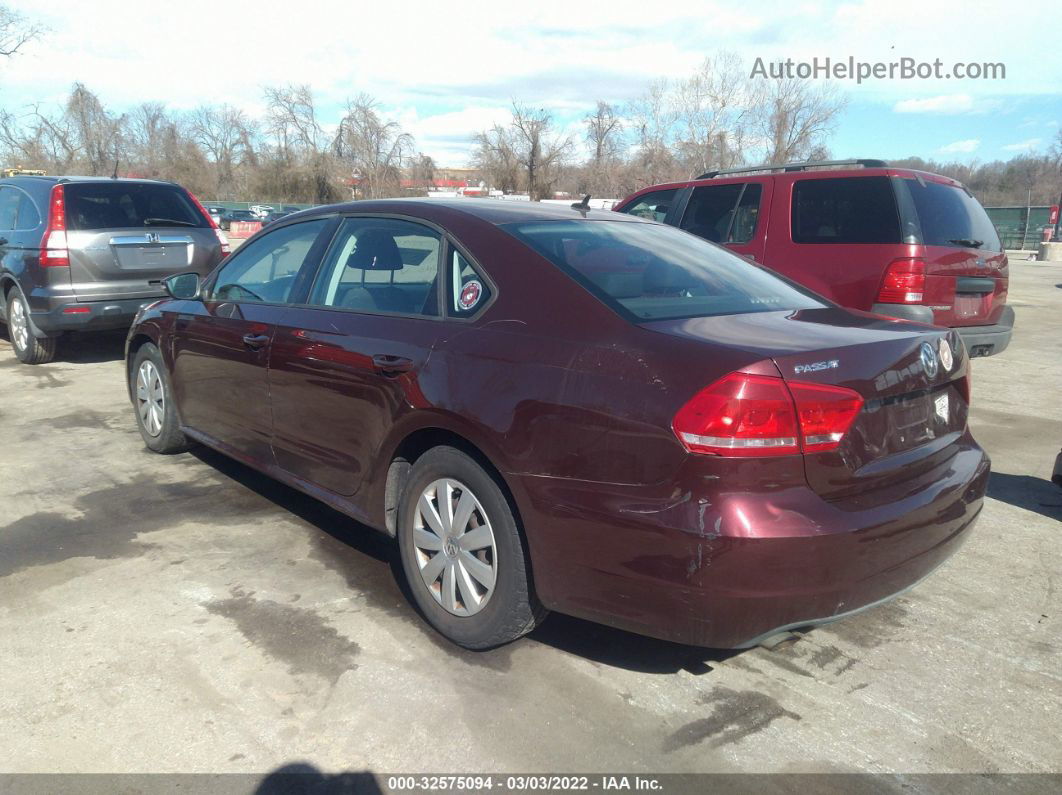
[(54, 250), (755, 415), (226, 249), (904, 282)]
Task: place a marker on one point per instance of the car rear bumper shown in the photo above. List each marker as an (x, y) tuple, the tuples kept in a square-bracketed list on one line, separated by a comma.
[(727, 570), (73, 315), (979, 340)]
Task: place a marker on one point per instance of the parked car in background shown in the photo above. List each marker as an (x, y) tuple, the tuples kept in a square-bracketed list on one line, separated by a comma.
[(85, 253), (215, 215), (275, 216), (261, 210), (893, 241), (236, 215), (573, 410)]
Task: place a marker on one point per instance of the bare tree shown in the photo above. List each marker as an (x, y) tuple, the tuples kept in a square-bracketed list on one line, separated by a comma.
[(16, 31), (301, 162), (496, 158), (713, 110), (376, 150), (796, 116), (225, 134), (538, 150)]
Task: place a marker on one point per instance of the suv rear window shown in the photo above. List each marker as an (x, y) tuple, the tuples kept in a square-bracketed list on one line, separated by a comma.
[(652, 272), (947, 216), (848, 210), (122, 205)]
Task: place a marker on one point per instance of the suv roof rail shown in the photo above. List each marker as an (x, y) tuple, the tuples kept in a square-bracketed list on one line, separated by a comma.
[(864, 162)]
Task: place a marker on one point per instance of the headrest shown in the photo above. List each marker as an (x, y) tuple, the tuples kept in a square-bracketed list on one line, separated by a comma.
[(375, 250)]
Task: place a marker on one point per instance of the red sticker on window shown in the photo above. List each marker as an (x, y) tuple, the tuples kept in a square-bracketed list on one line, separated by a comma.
[(470, 295)]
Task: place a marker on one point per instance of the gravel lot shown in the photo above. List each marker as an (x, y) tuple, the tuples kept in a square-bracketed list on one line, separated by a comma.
[(186, 614)]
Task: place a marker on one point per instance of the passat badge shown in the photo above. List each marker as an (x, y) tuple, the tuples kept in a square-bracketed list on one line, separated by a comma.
[(946, 358), (929, 360), (814, 367)]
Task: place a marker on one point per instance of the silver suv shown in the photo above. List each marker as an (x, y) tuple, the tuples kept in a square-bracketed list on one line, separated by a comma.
[(85, 253)]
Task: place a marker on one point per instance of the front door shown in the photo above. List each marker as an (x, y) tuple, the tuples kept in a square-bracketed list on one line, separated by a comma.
[(346, 365), (221, 344), (734, 214)]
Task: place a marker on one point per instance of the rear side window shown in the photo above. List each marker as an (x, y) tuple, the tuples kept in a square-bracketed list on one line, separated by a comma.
[(381, 265), (124, 205), (651, 272), (851, 210), (468, 289), (653, 206), (724, 213), (949, 216), (9, 201), (28, 217)]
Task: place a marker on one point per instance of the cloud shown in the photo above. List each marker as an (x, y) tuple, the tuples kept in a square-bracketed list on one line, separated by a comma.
[(1023, 146), (967, 145), (945, 103)]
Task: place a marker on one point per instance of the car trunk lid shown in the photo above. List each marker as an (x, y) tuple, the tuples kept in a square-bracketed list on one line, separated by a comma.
[(914, 403)]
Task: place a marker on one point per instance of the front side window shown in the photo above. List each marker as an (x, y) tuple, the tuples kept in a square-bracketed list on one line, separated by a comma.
[(265, 269), (849, 210), (381, 265), (653, 206), (651, 272)]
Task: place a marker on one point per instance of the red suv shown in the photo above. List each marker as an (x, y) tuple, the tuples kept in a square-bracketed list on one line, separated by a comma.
[(893, 241)]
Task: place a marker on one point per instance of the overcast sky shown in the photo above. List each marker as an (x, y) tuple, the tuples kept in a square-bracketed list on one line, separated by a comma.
[(449, 69)]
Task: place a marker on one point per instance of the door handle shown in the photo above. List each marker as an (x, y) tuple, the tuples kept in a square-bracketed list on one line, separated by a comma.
[(255, 341), (387, 364)]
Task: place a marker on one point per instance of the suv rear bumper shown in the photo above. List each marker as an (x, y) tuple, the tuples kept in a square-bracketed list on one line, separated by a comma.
[(979, 340), (90, 316)]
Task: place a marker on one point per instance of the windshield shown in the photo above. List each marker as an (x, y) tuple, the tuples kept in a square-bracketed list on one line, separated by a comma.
[(656, 272), (121, 205)]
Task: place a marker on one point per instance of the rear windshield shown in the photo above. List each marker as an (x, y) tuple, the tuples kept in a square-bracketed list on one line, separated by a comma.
[(655, 272), (121, 205), (943, 215)]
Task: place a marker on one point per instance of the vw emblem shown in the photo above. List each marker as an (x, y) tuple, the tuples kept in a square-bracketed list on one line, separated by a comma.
[(946, 359), (929, 360)]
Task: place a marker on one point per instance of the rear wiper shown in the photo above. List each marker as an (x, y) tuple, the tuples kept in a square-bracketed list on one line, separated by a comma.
[(968, 242), (167, 222)]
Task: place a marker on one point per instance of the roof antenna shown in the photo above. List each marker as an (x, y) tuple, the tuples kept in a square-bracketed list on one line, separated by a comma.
[(582, 206), (115, 174)]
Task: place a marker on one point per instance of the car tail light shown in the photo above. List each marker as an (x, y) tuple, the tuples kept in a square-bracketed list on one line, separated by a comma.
[(741, 415), (755, 415), (55, 251), (904, 282), (226, 249), (825, 414)]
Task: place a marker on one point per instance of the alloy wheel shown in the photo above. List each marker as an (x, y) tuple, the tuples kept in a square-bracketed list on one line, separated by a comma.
[(19, 325), (454, 547)]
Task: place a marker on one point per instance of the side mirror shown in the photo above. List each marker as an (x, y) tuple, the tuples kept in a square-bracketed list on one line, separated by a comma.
[(184, 286)]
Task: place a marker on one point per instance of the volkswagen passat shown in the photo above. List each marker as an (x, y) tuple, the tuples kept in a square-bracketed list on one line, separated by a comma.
[(581, 411)]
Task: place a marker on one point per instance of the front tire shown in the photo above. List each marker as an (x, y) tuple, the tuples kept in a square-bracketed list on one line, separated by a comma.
[(462, 552), (28, 348), (156, 414)]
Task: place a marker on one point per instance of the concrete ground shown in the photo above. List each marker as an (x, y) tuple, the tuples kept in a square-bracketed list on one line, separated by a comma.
[(186, 614)]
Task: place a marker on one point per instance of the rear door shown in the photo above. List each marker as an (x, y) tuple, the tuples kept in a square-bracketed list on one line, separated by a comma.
[(733, 214), (347, 364), (125, 237), (222, 344), (966, 269)]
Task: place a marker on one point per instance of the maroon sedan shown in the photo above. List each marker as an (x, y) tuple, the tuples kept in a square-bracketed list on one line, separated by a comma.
[(573, 410)]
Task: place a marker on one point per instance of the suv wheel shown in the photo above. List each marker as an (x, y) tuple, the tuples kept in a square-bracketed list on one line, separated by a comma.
[(156, 416), (462, 552), (28, 348)]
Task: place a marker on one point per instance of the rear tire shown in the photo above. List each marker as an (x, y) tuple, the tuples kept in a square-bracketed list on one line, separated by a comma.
[(467, 569), (28, 348), (156, 414)]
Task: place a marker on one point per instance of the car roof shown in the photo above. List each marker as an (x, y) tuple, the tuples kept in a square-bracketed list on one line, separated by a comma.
[(494, 211)]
